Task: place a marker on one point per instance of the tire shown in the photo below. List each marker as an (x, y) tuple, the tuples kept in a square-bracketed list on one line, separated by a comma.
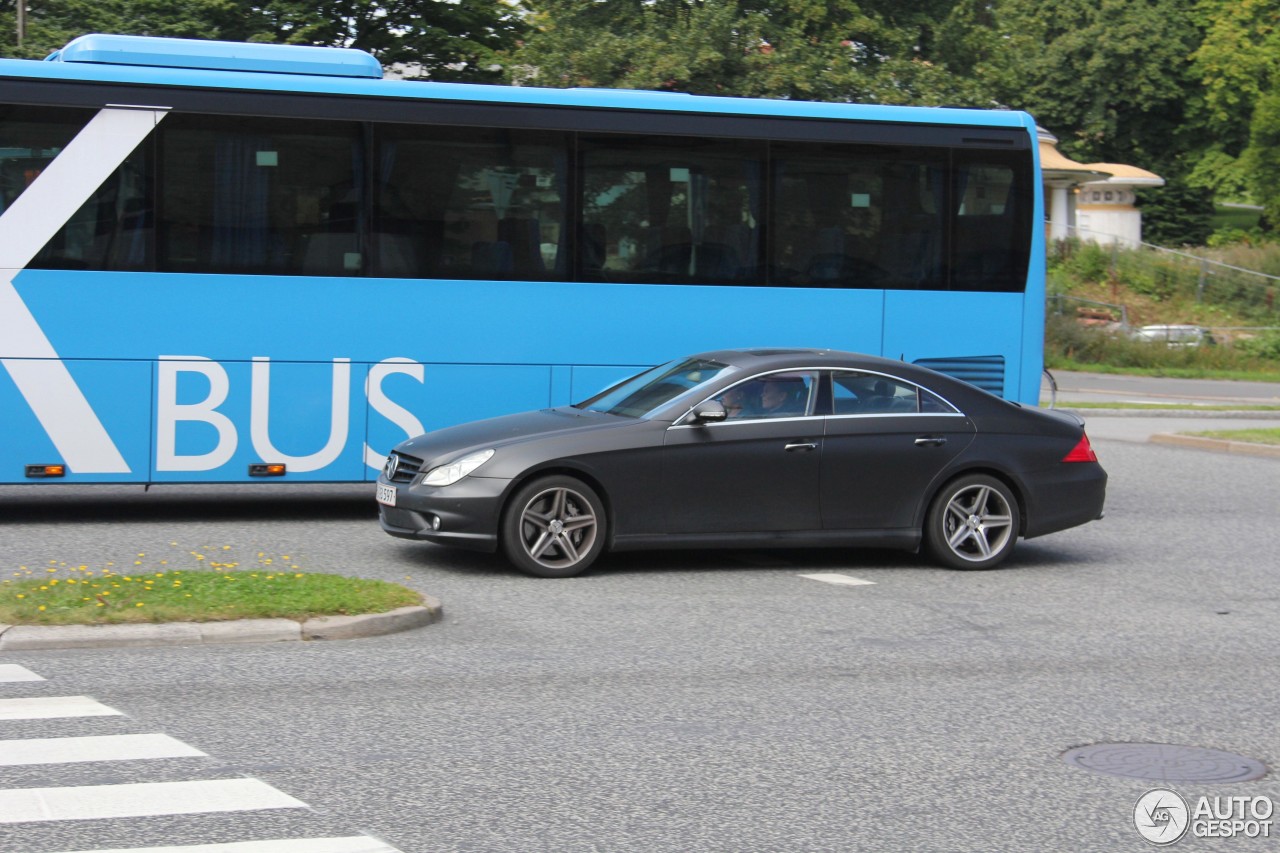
[(554, 527), (973, 523)]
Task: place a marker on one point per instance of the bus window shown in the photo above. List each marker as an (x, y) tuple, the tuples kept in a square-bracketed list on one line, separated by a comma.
[(260, 196), (991, 242), (853, 216), (111, 231), (470, 203), (674, 211)]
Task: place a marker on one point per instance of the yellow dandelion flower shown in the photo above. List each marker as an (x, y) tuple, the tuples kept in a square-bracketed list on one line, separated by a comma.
[(139, 604), (42, 607), (100, 604), (21, 595)]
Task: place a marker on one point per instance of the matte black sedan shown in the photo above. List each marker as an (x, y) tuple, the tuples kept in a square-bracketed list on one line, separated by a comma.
[(751, 448)]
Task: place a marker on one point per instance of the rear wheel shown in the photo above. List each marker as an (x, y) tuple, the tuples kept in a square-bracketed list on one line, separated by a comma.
[(554, 527), (973, 523)]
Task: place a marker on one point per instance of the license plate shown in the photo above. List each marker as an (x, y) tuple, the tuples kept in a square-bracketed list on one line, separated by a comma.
[(386, 495)]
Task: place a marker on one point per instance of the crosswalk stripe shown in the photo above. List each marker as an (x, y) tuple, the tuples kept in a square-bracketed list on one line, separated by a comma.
[(837, 578), (51, 707), (66, 750), (15, 672), (353, 844), (145, 799)]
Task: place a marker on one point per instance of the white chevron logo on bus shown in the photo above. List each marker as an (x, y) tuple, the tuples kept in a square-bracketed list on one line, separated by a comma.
[(30, 222)]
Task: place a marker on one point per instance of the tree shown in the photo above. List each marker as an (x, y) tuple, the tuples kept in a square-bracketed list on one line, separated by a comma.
[(831, 50), (1239, 62), (1111, 78), (446, 40), (1176, 215)]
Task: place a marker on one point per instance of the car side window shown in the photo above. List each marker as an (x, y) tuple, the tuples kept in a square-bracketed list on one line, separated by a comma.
[(855, 393), (775, 395)]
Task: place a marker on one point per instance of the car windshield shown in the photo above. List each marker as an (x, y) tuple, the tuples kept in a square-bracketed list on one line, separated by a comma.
[(655, 388)]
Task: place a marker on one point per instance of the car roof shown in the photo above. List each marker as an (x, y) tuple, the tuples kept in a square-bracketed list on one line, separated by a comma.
[(766, 358)]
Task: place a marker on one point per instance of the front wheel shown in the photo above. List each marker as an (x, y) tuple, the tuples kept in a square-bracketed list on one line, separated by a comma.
[(973, 523), (554, 527)]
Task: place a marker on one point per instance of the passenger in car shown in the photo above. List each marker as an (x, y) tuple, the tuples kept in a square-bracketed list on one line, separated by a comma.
[(781, 398)]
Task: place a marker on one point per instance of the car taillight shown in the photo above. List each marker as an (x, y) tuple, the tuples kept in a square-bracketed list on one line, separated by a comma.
[(1082, 452)]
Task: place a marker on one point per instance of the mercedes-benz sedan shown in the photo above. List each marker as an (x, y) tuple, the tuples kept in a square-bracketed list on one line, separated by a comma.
[(751, 448)]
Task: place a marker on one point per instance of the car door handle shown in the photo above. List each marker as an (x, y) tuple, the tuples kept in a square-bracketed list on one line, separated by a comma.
[(931, 441), (801, 445)]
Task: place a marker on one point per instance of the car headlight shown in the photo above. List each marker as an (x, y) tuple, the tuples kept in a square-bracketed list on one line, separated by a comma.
[(447, 475)]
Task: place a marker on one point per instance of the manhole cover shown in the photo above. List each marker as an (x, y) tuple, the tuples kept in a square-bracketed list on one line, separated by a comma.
[(1164, 762)]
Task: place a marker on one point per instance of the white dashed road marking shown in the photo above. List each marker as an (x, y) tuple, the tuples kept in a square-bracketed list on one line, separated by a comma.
[(66, 750), (353, 844), (13, 672), (143, 799), (836, 578), (53, 707)]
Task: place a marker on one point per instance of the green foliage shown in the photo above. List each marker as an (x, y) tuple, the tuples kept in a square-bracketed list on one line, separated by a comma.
[(1110, 77), (1262, 157), (1264, 346), (449, 41), (1176, 214), (1069, 345), (827, 50)]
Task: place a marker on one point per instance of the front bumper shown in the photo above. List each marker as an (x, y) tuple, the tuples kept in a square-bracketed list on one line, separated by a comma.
[(464, 515)]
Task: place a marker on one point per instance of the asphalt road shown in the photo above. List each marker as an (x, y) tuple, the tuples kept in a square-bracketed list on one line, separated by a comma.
[(1111, 388), (685, 701)]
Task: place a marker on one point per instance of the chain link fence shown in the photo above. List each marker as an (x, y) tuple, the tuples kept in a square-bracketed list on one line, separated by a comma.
[(1165, 274)]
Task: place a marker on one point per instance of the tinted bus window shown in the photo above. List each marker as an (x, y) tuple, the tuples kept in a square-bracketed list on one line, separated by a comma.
[(992, 236), (260, 196), (856, 216), (670, 210), (470, 203), (112, 230)]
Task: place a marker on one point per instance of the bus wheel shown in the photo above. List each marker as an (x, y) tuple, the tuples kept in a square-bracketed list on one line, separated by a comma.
[(973, 523), (554, 527)]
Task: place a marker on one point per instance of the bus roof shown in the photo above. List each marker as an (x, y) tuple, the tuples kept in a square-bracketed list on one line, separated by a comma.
[(219, 56), (300, 69)]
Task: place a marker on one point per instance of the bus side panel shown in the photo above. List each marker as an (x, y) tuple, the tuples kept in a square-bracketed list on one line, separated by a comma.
[(934, 324), (94, 417), (213, 419)]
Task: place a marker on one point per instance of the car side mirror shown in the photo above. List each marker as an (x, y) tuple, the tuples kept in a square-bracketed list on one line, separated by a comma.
[(710, 412)]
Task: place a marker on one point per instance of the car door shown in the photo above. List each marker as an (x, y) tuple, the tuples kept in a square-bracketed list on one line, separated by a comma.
[(886, 441), (756, 472)]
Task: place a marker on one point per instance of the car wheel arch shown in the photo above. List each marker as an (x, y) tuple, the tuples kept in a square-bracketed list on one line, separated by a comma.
[(1000, 474), (562, 470)]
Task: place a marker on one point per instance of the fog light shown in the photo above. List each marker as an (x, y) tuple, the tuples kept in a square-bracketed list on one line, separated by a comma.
[(435, 522)]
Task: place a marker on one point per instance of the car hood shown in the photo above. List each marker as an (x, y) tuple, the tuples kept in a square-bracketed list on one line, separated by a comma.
[(507, 430)]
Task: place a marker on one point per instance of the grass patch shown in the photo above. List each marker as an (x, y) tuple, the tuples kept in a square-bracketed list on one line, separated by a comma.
[(84, 596), (1258, 374), (1252, 436)]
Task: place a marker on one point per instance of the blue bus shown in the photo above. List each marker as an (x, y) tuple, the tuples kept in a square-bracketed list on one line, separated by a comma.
[(223, 262)]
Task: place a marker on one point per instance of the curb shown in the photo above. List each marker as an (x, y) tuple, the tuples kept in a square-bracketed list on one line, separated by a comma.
[(1217, 445), (28, 637)]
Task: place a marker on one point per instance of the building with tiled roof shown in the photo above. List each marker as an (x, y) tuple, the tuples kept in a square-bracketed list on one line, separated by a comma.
[(1092, 201)]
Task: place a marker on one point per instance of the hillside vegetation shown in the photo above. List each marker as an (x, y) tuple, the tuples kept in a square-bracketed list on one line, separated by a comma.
[(1099, 294)]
